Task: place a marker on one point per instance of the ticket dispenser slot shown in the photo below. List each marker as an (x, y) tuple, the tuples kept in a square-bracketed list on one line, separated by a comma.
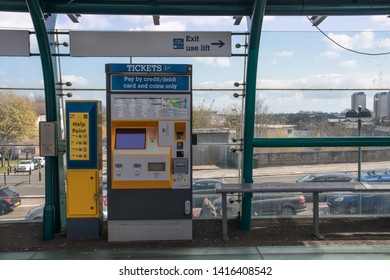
[(181, 155), (180, 131), (180, 137)]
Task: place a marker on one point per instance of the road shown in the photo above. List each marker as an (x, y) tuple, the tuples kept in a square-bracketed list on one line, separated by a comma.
[(33, 194)]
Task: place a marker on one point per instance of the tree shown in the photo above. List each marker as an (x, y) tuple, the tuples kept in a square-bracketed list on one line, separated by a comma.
[(264, 118), (202, 116), (17, 121), (38, 101)]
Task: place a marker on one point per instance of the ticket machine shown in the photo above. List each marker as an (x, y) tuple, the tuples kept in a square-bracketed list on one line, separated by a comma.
[(149, 152)]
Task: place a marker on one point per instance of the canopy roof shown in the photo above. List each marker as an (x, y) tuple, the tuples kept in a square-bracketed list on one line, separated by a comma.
[(205, 7)]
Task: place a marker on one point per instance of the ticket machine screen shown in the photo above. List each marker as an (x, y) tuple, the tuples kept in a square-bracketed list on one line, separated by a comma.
[(128, 138)]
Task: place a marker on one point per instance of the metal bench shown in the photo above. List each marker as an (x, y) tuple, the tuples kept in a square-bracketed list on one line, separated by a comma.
[(277, 187)]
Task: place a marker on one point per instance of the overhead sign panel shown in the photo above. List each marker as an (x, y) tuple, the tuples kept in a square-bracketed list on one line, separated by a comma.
[(14, 43), (149, 44)]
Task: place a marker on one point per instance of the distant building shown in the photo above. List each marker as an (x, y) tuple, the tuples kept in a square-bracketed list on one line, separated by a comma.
[(213, 147), (381, 104), (358, 99), (214, 135)]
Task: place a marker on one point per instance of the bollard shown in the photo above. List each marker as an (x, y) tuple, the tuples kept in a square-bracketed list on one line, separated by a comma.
[(40, 175)]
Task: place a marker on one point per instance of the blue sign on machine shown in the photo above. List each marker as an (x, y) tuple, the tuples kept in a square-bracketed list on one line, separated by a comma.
[(151, 83)]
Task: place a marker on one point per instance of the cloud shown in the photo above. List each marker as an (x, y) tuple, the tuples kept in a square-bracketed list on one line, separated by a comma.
[(284, 54), (384, 43), (349, 64), (75, 80), (362, 40), (328, 81), (216, 85), (202, 20), (269, 18), (322, 97), (179, 23), (382, 20), (15, 20), (168, 26), (86, 22), (213, 61), (216, 101), (330, 54), (281, 54)]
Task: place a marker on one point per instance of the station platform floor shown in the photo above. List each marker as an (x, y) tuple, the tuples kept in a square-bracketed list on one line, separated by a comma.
[(347, 238), (359, 252)]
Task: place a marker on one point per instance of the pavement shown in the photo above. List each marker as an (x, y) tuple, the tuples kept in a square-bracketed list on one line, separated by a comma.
[(346, 238), (233, 253)]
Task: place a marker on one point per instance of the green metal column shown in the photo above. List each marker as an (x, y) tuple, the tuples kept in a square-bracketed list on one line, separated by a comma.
[(51, 168), (250, 101), (59, 177)]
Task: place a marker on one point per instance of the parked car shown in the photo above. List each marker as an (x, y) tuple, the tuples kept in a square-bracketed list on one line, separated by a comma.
[(42, 160), (9, 199), (37, 164), (36, 213), (327, 177), (205, 188), (376, 177), (355, 203), (348, 203), (202, 188), (104, 197), (271, 204), (25, 166)]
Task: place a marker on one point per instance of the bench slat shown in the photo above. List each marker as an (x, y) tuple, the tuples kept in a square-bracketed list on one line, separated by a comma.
[(301, 187)]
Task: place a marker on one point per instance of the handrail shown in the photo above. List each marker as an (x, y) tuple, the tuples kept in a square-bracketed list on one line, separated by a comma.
[(359, 141)]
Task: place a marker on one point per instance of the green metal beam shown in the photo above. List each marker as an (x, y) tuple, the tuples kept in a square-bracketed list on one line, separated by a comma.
[(49, 218), (205, 7), (59, 176), (250, 101), (322, 142)]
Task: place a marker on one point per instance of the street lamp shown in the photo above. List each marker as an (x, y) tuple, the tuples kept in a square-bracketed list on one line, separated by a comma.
[(359, 115)]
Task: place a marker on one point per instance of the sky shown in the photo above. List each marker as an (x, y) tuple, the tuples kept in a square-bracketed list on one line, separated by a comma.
[(294, 56)]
